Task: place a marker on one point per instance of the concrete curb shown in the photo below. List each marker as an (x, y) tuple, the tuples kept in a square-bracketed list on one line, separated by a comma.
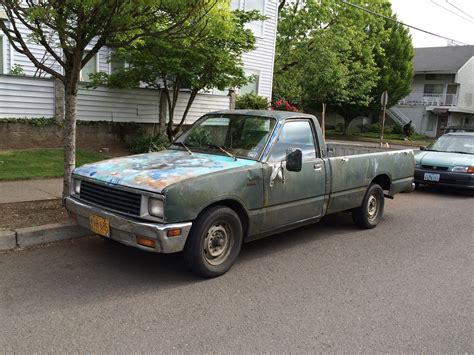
[(25, 237)]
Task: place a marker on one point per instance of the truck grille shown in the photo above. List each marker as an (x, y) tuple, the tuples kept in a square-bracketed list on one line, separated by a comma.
[(432, 167), (112, 198)]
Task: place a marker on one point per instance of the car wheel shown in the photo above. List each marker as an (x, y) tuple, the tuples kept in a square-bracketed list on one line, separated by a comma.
[(368, 215), (214, 242)]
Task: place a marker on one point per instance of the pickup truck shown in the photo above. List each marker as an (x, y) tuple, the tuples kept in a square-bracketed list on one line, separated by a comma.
[(233, 177)]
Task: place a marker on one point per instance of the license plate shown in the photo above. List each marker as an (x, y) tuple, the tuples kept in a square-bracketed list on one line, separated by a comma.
[(431, 177), (99, 225)]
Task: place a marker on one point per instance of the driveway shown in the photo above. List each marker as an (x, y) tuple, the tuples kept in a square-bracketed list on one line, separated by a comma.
[(405, 286)]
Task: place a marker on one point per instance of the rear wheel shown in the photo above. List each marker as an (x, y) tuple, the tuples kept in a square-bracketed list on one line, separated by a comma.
[(214, 242), (368, 215)]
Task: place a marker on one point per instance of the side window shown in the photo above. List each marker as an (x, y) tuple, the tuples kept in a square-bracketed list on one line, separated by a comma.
[(294, 135)]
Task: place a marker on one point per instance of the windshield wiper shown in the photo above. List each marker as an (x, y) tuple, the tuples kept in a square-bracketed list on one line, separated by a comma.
[(223, 150), (184, 146)]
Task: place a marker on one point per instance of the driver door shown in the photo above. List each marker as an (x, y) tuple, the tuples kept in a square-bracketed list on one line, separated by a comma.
[(291, 197)]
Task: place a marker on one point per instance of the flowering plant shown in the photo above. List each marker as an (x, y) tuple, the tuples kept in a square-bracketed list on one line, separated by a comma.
[(283, 105)]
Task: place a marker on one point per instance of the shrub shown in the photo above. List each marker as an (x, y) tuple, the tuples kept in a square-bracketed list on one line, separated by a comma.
[(283, 105), (397, 129), (144, 142), (252, 101)]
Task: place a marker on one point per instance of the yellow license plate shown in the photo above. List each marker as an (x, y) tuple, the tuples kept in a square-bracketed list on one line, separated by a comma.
[(99, 225)]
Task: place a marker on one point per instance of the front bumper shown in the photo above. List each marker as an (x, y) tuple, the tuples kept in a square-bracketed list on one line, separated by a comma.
[(125, 230), (446, 178)]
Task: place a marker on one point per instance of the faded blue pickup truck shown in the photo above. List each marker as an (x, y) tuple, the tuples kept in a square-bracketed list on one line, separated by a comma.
[(233, 177)]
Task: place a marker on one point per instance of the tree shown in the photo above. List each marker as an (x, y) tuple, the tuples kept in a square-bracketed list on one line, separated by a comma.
[(332, 54), (65, 28), (209, 57)]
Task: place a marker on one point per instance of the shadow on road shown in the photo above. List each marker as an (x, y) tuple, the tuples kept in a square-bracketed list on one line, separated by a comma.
[(444, 191)]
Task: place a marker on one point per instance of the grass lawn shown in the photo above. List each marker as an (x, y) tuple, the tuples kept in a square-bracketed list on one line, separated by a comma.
[(40, 163)]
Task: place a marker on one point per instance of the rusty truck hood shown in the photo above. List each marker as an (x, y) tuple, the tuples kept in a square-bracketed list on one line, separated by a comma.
[(155, 171)]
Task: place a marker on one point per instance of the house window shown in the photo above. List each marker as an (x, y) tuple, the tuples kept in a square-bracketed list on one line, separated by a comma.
[(89, 68), (116, 63), (252, 86), (436, 89), (249, 5)]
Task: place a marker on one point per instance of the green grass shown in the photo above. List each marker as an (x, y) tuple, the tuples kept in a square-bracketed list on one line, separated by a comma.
[(39, 163)]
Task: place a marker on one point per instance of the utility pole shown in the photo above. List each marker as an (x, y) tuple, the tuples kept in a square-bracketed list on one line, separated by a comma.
[(383, 101)]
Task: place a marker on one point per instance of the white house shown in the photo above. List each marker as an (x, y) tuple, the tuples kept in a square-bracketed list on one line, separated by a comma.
[(33, 95), (442, 93)]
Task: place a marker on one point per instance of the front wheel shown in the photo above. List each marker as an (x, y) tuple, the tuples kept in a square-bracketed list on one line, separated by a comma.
[(214, 242), (368, 215)]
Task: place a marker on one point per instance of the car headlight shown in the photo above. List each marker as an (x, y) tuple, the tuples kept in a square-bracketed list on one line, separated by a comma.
[(155, 207), (417, 164), (76, 186), (463, 169)]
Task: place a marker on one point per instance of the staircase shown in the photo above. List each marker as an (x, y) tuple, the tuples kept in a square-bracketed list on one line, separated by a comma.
[(398, 116)]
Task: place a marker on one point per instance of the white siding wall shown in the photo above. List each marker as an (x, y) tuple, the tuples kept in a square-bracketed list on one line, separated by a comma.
[(127, 105), (26, 97), (262, 58), (465, 77)]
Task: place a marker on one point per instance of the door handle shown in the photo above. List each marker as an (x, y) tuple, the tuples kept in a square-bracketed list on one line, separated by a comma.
[(318, 166)]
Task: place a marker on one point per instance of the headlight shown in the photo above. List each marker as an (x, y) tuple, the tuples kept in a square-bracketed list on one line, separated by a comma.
[(155, 207), (417, 164), (463, 169), (76, 186)]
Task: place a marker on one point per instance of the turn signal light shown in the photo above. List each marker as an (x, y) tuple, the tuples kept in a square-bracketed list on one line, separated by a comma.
[(150, 243), (470, 170), (173, 233)]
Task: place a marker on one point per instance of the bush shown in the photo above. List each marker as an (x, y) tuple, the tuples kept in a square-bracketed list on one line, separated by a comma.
[(283, 105), (251, 101), (397, 129), (144, 142)]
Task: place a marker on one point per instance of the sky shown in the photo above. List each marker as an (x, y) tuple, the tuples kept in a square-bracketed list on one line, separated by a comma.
[(430, 16)]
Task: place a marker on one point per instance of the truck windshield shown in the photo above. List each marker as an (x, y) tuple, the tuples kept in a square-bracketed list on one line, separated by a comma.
[(240, 135)]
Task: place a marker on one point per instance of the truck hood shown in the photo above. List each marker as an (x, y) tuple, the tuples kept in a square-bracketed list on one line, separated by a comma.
[(444, 159), (155, 171)]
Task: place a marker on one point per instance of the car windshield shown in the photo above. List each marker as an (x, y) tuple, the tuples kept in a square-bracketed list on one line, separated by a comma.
[(242, 136), (454, 143)]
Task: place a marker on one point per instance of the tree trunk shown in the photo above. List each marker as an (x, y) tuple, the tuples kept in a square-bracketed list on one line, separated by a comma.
[(162, 112), (323, 119), (347, 122), (69, 128)]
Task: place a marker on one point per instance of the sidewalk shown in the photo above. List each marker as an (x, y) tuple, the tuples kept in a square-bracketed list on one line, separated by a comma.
[(30, 190)]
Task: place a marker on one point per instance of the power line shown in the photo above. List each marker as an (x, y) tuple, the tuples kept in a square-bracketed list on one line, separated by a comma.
[(445, 8), (459, 9), (401, 23)]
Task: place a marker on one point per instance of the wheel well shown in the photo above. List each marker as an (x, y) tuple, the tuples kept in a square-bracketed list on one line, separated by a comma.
[(382, 180), (238, 208)]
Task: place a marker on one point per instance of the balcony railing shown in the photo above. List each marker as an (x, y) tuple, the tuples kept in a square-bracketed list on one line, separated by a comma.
[(416, 98)]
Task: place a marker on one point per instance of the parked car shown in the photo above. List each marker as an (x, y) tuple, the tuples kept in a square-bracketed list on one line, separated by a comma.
[(448, 161), (233, 177)]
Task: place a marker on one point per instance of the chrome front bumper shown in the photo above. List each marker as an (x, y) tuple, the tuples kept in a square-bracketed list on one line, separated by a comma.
[(125, 230)]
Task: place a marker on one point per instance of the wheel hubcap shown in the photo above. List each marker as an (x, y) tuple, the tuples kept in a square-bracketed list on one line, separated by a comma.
[(372, 208), (217, 244)]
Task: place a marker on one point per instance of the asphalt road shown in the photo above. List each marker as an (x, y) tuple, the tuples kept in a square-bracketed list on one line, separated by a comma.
[(405, 286)]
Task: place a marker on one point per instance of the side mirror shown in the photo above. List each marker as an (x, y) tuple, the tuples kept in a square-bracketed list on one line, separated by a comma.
[(422, 147), (294, 160)]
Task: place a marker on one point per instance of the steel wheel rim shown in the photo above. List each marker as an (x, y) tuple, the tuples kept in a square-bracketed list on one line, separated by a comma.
[(372, 207), (218, 243)]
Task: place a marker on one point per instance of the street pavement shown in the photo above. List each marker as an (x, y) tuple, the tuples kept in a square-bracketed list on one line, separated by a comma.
[(405, 286)]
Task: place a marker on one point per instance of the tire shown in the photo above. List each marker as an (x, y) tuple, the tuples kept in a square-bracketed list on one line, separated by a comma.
[(214, 242), (369, 214)]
